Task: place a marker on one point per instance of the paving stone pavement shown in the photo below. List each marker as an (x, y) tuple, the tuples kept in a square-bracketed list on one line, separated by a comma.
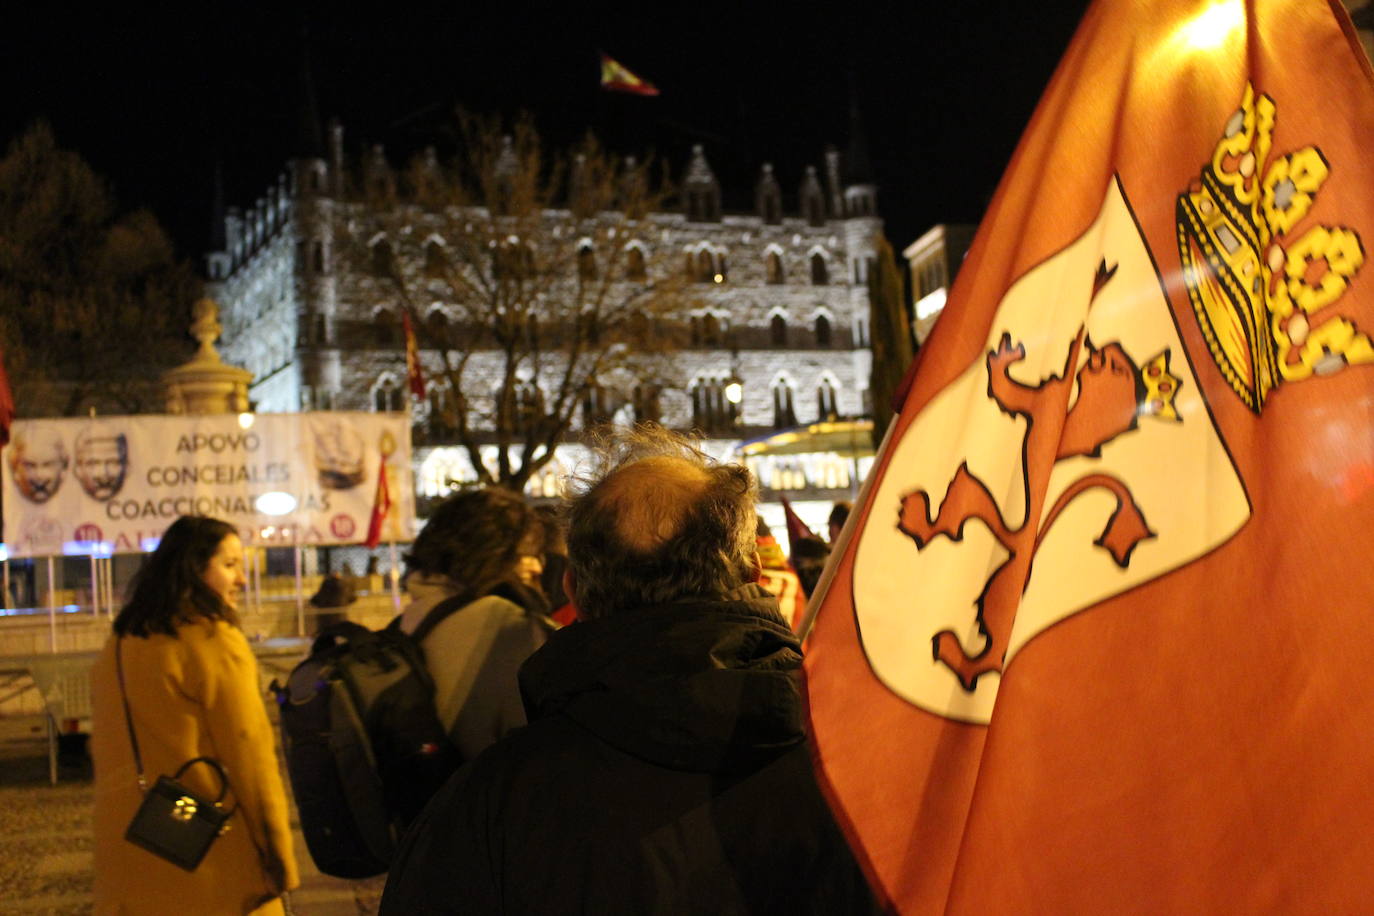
[(45, 850)]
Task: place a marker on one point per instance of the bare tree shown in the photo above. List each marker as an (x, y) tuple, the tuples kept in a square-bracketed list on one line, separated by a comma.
[(92, 302), (535, 282)]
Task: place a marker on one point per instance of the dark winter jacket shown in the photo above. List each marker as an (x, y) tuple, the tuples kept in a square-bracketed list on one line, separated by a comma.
[(664, 771)]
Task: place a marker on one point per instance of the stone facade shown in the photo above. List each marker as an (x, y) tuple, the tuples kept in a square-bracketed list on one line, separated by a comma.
[(783, 307)]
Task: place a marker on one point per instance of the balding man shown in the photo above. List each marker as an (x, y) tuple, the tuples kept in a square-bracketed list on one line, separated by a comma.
[(664, 768)]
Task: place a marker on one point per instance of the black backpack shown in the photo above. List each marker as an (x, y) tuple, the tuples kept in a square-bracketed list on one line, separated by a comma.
[(363, 743)]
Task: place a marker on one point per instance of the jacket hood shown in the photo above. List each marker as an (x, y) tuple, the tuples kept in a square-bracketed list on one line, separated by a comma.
[(699, 685)]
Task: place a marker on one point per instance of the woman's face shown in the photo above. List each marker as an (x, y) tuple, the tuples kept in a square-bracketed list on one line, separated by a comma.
[(224, 572)]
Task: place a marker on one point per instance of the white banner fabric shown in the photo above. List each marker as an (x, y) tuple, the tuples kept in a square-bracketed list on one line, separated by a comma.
[(113, 484)]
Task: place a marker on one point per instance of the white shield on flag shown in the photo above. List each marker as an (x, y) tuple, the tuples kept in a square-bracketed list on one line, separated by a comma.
[(1169, 467)]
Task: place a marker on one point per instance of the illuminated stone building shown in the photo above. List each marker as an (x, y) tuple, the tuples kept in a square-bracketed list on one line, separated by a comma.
[(783, 311)]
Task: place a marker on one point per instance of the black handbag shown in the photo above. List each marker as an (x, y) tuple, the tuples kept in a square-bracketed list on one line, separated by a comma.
[(173, 822)]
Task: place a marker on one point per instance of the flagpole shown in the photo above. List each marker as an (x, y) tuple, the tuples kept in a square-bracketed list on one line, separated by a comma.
[(109, 586), (837, 550), (254, 573), (300, 596), (394, 574), (52, 609), (7, 580), (95, 587)]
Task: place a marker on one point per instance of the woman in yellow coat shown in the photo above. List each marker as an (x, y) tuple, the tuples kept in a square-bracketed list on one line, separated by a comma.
[(193, 690)]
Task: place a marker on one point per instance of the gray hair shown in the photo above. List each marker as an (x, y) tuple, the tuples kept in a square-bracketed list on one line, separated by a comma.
[(656, 521)]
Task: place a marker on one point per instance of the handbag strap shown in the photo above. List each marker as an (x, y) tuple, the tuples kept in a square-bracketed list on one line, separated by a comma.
[(128, 719), (214, 764)]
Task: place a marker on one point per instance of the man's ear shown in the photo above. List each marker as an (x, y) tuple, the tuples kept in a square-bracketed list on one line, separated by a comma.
[(570, 589)]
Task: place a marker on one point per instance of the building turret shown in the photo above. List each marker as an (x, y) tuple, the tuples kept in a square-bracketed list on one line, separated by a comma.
[(378, 179), (768, 196), (700, 189), (812, 198), (834, 183), (860, 189)]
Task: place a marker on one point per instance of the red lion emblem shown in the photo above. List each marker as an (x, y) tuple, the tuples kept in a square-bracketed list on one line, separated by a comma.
[(1110, 399)]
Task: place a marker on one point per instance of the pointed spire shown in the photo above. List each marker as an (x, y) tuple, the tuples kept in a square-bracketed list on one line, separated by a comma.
[(699, 172), (701, 190), (506, 163), (768, 196), (812, 198)]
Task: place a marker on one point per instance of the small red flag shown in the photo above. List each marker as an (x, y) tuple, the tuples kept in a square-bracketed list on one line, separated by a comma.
[(381, 506), (6, 404), (616, 78), (796, 528), (415, 376)]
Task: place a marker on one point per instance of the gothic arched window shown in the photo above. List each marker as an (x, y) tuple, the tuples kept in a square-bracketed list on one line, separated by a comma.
[(387, 396), (435, 262), (386, 331), (382, 259), (646, 404), (705, 270), (586, 263), (826, 405), (634, 264), (784, 415), (773, 266), (820, 273), (778, 330), (822, 331)]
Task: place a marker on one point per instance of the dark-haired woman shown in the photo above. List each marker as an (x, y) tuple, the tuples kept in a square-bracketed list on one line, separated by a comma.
[(475, 569), (193, 691)]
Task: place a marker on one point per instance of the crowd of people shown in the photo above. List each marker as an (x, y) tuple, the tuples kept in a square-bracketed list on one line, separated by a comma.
[(619, 677)]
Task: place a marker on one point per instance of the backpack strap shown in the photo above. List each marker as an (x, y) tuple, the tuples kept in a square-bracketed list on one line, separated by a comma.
[(437, 615), (346, 630)]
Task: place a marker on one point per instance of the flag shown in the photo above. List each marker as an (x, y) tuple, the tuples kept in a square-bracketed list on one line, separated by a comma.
[(796, 528), (6, 404), (616, 78), (779, 578), (415, 377), (381, 506), (1153, 379)]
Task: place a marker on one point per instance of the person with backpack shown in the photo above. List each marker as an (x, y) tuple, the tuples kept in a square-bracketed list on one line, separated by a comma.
[(177, 694), (472, 577), (665, 768)]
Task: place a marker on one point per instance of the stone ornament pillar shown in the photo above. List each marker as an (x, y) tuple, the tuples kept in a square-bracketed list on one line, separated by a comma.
[(206, 384)]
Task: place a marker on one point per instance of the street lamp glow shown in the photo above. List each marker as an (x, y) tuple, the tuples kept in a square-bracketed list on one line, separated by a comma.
[(734, 392), (246, 420), (275, 503)]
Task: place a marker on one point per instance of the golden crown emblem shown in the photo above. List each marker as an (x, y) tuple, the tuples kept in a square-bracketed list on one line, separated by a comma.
[(1263, 296)]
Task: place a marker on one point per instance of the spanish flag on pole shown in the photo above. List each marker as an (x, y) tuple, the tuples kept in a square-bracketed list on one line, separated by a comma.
[(616, 78), (381, 499), (1099, 638)]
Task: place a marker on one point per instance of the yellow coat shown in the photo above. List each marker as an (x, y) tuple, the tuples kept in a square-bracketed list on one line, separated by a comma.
[(194, 695)]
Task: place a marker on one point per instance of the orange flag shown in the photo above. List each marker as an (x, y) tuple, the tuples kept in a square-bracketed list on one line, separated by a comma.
[(1100, 637)]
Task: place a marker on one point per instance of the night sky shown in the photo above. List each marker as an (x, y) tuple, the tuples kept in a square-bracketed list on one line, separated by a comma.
[(153, 99)]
